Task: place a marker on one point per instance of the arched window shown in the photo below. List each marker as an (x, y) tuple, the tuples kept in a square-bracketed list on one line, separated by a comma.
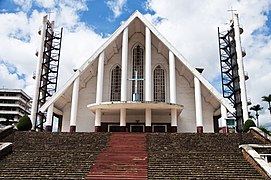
[(159, 84), (115, 84), (138, 65)]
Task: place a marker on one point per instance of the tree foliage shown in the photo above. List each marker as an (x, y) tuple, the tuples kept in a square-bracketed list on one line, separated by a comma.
[(268, 100), (257, 108), (249, 123), (264, 129), (24, 124)]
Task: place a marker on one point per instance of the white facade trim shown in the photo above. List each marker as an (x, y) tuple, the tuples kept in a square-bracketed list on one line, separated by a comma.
[(198, 103), (148, 71), (124, 65)]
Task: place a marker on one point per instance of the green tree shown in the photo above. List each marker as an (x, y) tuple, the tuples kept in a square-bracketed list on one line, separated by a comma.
[(249, 123), (264, 129), (257, 108), (24, 124), (268, 100)]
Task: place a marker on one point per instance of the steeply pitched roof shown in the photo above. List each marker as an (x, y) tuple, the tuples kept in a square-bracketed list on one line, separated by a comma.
[(179, 56)]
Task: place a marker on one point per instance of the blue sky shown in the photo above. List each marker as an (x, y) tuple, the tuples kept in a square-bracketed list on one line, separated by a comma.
[(103, 20), (189, 25), (98, 14)]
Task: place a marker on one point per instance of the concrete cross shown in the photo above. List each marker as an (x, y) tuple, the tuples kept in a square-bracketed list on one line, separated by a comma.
[(135, 94), (232, 11)]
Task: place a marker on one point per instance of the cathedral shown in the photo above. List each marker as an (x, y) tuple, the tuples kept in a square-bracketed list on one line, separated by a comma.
[(137, 82)]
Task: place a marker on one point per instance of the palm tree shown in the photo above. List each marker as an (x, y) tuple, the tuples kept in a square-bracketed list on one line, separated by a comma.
[(267, 99), (257, 108)]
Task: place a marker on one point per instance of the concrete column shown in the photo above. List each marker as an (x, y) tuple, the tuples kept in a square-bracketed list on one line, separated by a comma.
[(124, 61), (241, 71), (198, 104), (98, 119), (74, 105), (99, 90), (173, 120), (49, 118), (224, 119), (172, 78), (34, 108), (123, 119), (148, 120), (148, 70)]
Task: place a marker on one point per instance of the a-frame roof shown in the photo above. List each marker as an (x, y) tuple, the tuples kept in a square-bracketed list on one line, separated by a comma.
[(155, 32)]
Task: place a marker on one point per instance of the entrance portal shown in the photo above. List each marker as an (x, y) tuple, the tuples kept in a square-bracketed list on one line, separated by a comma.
[(137, 128), (159, 128), (113, 128)]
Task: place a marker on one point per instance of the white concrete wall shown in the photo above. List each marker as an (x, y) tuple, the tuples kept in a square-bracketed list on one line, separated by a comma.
[(85, 118), (66, 118), (187, 119), (207, 111), (185, 97)]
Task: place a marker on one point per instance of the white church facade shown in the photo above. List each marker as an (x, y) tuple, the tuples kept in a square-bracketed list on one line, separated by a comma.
[(137, 82)]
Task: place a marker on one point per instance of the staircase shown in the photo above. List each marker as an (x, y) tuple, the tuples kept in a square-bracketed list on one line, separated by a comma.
[(199, 156), (124, 158), (38, 155), (5, 147)]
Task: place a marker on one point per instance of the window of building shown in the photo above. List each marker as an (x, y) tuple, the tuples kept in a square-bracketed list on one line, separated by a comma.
[(138, 65), (115, 84), (159, 84)]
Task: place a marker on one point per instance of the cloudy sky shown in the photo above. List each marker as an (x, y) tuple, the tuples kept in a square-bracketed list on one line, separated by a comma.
[(190, 25)]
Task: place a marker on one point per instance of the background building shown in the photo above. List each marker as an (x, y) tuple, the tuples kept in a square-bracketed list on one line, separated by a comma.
[(14, 103)]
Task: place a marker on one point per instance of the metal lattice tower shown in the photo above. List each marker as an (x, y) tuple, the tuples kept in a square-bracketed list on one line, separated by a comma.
[(47, 70), (229, 72)]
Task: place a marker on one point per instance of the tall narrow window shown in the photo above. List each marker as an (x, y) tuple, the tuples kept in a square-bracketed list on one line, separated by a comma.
[(138, 65), (115, 84), (159, 84)]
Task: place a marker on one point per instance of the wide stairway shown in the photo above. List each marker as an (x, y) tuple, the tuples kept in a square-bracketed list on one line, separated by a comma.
[(124, 158), (38, 155), (199, 156)]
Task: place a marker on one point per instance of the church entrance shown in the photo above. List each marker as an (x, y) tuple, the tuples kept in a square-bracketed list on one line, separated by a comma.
[(113, 128), (137, 128), (159, 128)]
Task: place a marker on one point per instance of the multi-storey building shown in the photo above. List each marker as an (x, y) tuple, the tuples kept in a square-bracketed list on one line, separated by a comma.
[(14, 103)]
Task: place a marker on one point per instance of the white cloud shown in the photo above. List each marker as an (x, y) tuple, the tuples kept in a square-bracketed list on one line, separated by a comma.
[(25, 4), (7, 79), (116, 6), (77, 47), (191, 26), (46, 4), (79, 41)]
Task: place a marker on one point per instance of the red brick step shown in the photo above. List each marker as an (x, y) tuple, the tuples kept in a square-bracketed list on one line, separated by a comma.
[(124, 158)]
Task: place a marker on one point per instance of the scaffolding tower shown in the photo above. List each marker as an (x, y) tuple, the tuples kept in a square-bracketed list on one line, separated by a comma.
[(230, 71), (47, 70)]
